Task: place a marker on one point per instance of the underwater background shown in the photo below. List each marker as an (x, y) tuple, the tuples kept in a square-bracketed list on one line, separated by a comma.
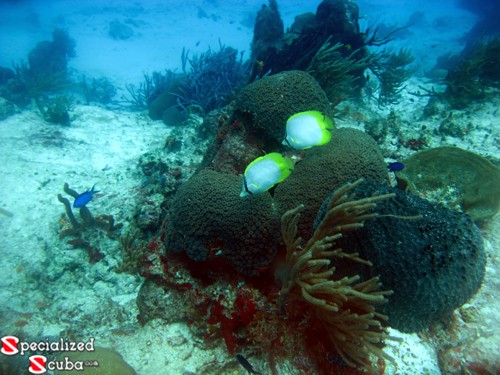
[(127, 130)]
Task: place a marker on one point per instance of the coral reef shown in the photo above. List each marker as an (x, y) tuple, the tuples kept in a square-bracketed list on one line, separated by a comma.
[(243, 312), (391, 69), (207, 210), (208, 219), (460, 179), (330, 46), (267, 103), (432, 258), (336, 73), (212, 78), (335, 20), (351, 154), (267, 34), (209, 80), (55, 109), (133, 253), (45, 72), (98, 90), (344, 305), (152, 86), (48, 58), (467, 81), (77, 229)]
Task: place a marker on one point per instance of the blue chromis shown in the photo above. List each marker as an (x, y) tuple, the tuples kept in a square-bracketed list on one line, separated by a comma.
[(84, 198), (308, 129), (395, 166), (265, 172)]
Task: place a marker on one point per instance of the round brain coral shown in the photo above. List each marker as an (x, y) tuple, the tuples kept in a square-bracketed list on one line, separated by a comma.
[(351, 154), (208, 209), (271, 100)]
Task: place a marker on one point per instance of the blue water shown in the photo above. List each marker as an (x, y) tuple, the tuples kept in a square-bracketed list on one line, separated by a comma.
[(162, 29)]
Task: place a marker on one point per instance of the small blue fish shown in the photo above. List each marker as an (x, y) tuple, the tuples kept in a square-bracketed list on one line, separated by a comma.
[(84, 198), (395, 166), (243, 361)]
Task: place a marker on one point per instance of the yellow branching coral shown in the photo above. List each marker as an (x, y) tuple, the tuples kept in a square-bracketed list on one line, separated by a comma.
[(345, 306)]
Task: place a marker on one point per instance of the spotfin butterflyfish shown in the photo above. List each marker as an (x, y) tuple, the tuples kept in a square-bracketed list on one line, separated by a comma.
[(265, 172), (308, 129)]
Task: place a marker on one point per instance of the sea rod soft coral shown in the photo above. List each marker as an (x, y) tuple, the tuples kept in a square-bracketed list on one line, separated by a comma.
[(345, 306)]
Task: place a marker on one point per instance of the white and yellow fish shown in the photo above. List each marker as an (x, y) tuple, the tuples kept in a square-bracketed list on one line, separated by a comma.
[(265, 172), (308, 129)]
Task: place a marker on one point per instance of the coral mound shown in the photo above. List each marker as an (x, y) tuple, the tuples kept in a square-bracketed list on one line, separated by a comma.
[(351, 154), (208, 214), (432, 258), (270, 101)]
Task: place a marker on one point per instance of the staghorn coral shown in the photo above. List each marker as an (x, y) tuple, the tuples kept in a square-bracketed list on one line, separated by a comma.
[(345, 306)]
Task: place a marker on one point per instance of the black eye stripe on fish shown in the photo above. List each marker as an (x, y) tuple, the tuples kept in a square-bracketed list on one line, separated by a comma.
[(265, 172), (243, 361), (245, 185)]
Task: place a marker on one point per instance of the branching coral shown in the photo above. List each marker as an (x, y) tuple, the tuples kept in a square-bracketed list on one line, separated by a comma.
[(152, 86), (345, 306), (213, 78), (391, 69), (76, 229), (55, 109), (336, 73), (476, 71)]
